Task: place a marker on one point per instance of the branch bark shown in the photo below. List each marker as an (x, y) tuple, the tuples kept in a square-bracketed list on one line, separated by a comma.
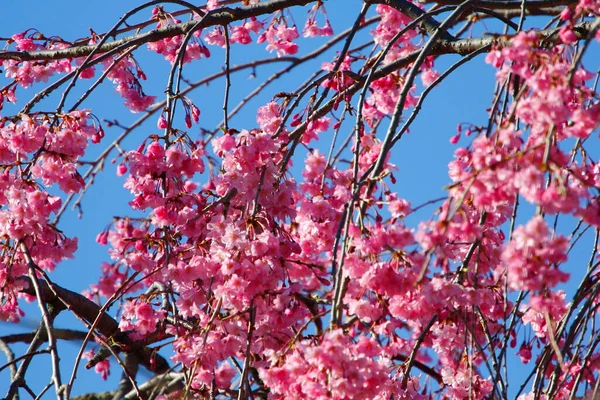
[(507, 4), (461, 46), (221, 16), (107, 326)]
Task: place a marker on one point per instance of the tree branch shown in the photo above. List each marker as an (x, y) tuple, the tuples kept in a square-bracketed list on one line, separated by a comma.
[(462, 46), (507, 4), (409, 9), (222, 16), (107, 326)]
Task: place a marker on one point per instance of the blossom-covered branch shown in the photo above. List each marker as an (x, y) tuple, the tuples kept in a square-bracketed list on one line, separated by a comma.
[(288, 247)]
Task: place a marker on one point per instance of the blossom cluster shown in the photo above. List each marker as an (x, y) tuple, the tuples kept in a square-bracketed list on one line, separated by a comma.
[(123, 71), (337, 368), (126, 75), (169, 47), (37, 151), (252, 263), (27, 73)]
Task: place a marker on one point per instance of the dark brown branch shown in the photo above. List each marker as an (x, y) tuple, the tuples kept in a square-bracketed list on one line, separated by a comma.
[(507, 4), (141, 25), (409, 9), (423, 367), (512, 9), (60, 334), (107, 326), (462, 47)]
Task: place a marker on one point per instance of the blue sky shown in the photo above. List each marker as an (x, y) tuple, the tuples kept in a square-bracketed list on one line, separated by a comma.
[(421, 156)]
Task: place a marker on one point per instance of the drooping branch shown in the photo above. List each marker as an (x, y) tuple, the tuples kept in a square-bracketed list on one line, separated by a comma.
[(462, 47), (168, 252)]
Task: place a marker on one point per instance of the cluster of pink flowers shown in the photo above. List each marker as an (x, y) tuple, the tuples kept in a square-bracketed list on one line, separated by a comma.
[(49, 147), (541, 306), (336, 368), (140, 318), (27, 73), (531, 257), (249, 260), (339, 81), (550, 98), (268, 117), (280, 37), (241, 34), (311, 27), (551, 107), (384, 96), (382, 101), (392, 21), (126, 75), (147, 165), (169, 47), (24, 218)]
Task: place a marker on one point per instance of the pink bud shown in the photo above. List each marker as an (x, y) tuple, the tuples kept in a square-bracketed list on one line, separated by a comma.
[(296, 120), (102, 238), (566, 14), (155, 151), (195, 113), (121, 169), (10, 96), (162, 122)]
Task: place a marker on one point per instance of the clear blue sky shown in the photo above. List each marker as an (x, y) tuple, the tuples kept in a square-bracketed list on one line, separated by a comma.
[(422, 156)]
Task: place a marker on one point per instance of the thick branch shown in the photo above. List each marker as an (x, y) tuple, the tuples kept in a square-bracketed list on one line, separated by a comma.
[(409, 9), (107, 326), (507, 4), (80, 305), (512, 9), (462, 47), (222, 16)]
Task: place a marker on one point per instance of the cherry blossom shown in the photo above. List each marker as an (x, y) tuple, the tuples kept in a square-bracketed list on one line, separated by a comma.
[(286, 256)]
